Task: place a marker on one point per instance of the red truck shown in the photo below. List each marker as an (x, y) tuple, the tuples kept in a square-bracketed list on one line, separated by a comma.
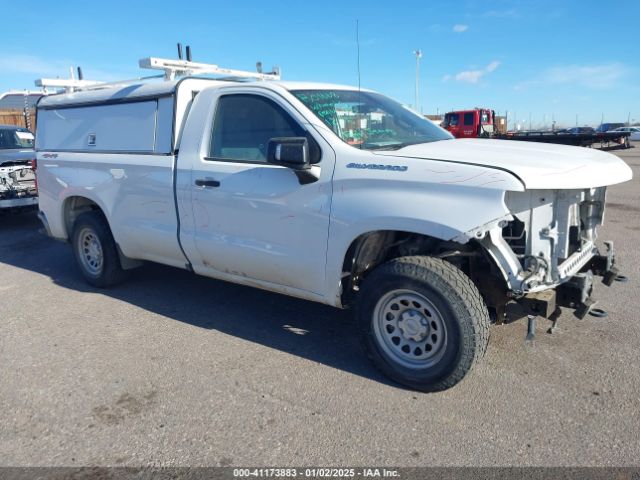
[(475, 123)]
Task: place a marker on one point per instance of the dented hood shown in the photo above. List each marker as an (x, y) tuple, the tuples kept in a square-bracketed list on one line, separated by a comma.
[(537, 165)]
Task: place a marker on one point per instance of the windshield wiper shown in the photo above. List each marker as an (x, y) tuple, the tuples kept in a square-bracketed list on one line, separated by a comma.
[(393, 146), (396, 146)]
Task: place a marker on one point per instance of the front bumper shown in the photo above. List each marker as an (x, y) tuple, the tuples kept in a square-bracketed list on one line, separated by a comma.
[(575, 293)]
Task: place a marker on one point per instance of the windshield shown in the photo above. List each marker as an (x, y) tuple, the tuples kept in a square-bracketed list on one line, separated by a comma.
[(15, 138), (370, 121)]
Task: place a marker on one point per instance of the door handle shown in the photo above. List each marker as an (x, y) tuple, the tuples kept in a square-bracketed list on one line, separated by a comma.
[(207, 182)]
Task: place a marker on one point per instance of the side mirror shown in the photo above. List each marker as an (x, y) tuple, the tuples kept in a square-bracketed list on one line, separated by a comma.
[(292, 152)]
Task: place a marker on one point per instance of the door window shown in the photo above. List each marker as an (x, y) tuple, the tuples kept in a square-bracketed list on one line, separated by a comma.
[(469, 118), (244, 124)]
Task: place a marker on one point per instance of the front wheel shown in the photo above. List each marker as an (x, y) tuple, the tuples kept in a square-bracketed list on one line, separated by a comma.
[(423, 322), (95, 250)]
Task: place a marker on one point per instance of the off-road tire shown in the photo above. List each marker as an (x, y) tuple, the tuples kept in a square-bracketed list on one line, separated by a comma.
[(463, 313), (111, 272)]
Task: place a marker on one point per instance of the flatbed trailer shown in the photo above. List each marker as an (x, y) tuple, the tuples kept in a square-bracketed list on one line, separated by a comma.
[(605, 139), (481, 123)]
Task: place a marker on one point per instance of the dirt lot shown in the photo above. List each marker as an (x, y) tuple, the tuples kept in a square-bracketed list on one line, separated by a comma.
[(173, 369)]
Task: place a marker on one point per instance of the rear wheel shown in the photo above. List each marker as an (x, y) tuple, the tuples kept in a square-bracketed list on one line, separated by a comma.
[(95, 250), (423, 322)]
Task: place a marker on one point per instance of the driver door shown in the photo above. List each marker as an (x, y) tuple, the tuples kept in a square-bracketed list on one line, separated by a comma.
[(254, 220)]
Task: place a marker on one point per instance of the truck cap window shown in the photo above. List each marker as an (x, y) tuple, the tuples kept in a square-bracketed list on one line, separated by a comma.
[(370, 121), (244, 124)]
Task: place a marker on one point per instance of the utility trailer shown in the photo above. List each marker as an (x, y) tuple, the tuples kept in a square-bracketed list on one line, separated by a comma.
[(481, 123)]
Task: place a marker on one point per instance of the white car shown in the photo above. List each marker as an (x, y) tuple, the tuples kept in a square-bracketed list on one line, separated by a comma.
[(333, 194), (635, 132)]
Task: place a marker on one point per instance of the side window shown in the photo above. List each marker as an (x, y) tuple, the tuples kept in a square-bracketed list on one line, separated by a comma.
[(244, 124), (454, 119), (468, 118)]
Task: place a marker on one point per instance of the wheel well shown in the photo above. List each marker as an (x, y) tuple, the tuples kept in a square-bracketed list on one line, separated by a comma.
[(374, 248), (73, 207)]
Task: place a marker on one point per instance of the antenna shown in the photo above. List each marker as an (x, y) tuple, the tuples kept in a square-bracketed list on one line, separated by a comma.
[(179, 51), (359, 92), (188, 53), (358, 49), (80, 76)]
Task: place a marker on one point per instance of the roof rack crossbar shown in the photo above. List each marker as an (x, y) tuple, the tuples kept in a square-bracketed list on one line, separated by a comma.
[(174, 68), (69, 84)]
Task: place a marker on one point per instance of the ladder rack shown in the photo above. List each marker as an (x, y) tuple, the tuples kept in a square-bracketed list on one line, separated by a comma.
[(172, 68)]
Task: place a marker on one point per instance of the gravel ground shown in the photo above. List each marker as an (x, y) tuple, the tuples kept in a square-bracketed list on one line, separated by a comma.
[(174, 369)]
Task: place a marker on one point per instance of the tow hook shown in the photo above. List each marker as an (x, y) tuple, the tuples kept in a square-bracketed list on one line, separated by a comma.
[(611, 272), (598, 312), (586, 306), (554, 320)]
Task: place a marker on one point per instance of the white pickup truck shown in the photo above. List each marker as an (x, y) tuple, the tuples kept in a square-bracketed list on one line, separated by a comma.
[(332, 194)]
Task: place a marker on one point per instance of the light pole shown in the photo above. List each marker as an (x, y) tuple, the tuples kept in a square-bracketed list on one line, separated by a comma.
[(418, 54)]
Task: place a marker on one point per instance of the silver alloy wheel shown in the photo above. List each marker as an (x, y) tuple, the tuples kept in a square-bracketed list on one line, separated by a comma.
[(90, 251), (409, 329)]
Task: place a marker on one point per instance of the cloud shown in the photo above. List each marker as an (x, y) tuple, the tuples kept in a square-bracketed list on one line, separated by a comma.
[(597, 77), (469, 76), (473, 76), (459, 28), (492, 66)]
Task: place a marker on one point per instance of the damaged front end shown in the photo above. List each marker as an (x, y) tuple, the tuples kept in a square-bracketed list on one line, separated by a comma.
[(17, 185), (546, 250)]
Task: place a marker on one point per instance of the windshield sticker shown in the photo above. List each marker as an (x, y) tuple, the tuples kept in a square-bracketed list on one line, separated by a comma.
[(375, 166)]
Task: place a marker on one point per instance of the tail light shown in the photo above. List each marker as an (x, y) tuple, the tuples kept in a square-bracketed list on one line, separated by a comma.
[(34, 167)]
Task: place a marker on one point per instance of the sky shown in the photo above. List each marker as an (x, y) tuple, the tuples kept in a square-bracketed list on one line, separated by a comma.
[(569, 61)]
